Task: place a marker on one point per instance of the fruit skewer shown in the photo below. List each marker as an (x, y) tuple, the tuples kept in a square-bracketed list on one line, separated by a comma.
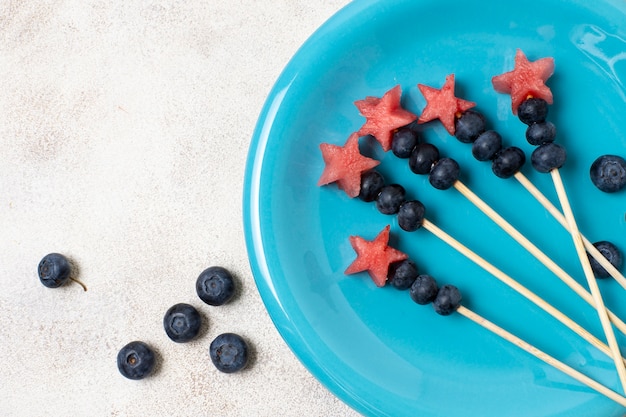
[(354, 173), (487, 146), (443, 172), (447, 300), (529, 100)]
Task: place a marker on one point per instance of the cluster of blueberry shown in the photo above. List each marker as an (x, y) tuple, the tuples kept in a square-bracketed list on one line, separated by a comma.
[(608, 172), (136, 360), (391, 199)]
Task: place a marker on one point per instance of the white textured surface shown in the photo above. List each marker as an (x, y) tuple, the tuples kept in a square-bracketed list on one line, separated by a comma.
[(124, 128)]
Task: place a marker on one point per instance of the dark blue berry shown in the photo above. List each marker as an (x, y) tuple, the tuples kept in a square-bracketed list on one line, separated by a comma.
[(608, 173), (508, 161), (215, 286), (182, 322), (403, 142), (487, 145), (540, 133), (532, 110), (548, 157), (444, 174), (411, 215), (229, 352), (371, 184), (469, 126), (448, 300), (136, 360), (54, 270), (402, 274), (611, 253), (424, 289), (390, 198), (423, 158)]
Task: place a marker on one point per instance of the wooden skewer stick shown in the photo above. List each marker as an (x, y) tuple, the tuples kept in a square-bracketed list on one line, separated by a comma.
[(547, 204), (591, 280), (533, 250), (515, 285), (580, 377)]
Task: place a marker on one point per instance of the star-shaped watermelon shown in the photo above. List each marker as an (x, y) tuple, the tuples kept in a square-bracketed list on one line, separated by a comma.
[(443, 104), (374, 256), (526, 80), (383, 116), (344, 165)]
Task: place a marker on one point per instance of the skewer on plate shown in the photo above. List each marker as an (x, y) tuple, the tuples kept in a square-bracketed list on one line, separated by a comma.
[(530, 98), (443, 173), (354, 174), (447, 299)]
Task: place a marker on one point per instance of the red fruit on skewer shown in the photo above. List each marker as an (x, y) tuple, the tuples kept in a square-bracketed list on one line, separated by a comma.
[(374, 256), (442, 104), (383, 116), (344, 165), (527, 79)]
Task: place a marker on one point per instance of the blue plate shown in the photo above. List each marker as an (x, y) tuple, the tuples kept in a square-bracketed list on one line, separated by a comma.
[(373, 347)]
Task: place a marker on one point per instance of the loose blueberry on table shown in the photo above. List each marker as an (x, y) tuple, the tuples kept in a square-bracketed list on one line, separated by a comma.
[(229, 352), (54, 270), (182, 322), (215, 286), (136, 360)]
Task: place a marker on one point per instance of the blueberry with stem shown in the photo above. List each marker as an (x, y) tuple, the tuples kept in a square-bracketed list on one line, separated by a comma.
[(55, 270)]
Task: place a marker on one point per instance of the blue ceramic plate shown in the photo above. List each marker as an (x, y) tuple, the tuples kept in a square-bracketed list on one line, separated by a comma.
[(373, 347)]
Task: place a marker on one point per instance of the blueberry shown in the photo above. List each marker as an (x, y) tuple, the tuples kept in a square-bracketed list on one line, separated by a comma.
[(508, 161), (444, 174), (182, 322), (423, 158), (215, 286), (390, 198), (469, 126), (487, 145), (608, 173), (54, 270), (611, 253), (229, 352), (403, 142), (548, 157), (402, 274), (448, 300), (539, 133), (411, 215), (371, 184), (136, 360), (424, 289), (532, 110)]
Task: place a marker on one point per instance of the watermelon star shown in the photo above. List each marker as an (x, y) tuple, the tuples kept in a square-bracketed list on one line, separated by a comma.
[(526, 80), (344, 165), (374, 256), (383, 116), (443, 105)]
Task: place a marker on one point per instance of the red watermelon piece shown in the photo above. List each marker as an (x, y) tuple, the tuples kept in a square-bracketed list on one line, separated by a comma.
[(383, 116), (344, 165), (442, 104), (374, 256), (526, 80)]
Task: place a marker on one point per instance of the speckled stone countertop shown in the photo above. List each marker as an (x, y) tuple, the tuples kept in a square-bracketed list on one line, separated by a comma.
[(125, 128)]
